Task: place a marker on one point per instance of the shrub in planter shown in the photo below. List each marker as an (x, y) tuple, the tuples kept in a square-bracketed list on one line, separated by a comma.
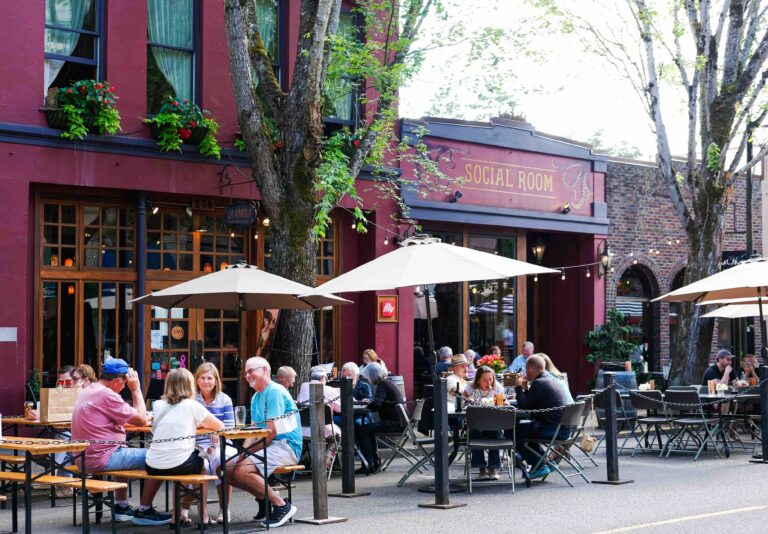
[(86, 105), (184, 122)]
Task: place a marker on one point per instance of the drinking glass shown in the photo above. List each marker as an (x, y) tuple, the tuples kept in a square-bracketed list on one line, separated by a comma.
[(239, 415)]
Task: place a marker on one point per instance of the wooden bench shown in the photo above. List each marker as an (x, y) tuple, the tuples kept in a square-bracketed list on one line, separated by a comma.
[(291, 471), (179, 486), (97, 489), (11, 459)]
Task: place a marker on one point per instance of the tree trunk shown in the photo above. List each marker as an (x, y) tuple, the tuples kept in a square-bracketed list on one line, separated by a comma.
[(293, 257), (694, 334)]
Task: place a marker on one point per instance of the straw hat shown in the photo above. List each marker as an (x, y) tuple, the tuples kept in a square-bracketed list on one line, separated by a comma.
[(459, 359)]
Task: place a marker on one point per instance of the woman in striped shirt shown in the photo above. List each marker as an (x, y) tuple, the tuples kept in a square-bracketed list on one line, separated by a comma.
[(210, 395)]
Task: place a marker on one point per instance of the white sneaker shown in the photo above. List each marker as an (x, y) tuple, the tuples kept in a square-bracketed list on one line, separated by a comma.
[(220, 517)]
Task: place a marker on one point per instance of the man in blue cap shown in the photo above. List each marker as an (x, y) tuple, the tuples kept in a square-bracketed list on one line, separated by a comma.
[(99, 415)]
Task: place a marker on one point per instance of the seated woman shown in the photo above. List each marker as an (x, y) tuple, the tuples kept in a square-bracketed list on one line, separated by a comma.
[(177, 415), (317, 374), (482, 391), (361, 392), (387, 396), (369, 357), (83, 375), (554, 372), (210, 395), (749, 368)]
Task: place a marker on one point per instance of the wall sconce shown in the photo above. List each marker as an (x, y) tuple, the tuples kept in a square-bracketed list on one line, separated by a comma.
[(605, 257), (455, 198), (538, 250), (155, 208), (265, 221), (566, 209), (188, 209)]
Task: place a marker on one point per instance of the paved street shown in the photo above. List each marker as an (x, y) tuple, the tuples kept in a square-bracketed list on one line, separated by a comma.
[(668, 496)]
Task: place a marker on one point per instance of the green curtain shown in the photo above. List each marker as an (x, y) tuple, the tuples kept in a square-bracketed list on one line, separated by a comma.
[(170, 23), (339, 93), (266, 12), (67, 13)]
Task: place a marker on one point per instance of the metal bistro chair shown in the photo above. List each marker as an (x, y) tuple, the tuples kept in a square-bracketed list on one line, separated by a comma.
[(585, 416), (626, 420), (427, 456), (559, 448), (329, 440), (657, 419), (693, 425), (397, 443), (486, 418)]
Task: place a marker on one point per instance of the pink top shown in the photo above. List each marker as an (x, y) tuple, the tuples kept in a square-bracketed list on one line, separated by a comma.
[(100, 414)]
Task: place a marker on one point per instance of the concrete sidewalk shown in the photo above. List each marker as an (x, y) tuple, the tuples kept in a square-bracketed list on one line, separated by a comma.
[(668, 496)]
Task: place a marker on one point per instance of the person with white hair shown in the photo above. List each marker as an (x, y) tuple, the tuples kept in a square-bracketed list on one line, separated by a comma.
[(317, 374), (385, 400), (444, 356), (362, 390), (518, 364), (286, 376)]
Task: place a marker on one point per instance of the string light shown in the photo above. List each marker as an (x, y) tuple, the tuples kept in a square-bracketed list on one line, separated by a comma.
[(658, 252), (562, 277), (255, 235), (535, 277), (386, 240), (589, 274), (354, 226), (634, 262), (677, 241), (232, 234), (669, 241)]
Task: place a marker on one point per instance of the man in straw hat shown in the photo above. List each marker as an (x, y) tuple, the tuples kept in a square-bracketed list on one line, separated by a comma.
[(457, 380)]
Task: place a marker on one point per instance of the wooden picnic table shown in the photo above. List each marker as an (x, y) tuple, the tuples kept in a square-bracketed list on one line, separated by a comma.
[(49, 447)]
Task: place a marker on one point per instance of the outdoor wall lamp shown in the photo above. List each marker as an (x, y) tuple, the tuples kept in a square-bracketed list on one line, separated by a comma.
[(606, 257), (566, 208), (455, 198), (538, 250), (188, 209)]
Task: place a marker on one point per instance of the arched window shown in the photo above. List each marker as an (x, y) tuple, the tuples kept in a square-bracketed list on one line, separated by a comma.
[(634, 292)]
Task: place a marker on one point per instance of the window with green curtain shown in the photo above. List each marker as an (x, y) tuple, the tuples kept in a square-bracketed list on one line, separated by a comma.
[(339, 91), (170, 51), (71, 42)]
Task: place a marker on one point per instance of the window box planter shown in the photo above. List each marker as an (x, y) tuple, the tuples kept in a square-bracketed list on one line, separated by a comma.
[(57, 119), (182, 121), (196, 134), (85, 106)]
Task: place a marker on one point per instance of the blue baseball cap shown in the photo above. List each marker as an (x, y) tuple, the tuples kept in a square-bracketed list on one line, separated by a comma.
[(115, 366)]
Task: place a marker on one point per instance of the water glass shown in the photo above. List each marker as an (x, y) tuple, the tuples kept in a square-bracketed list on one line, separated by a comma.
[(239, 415)]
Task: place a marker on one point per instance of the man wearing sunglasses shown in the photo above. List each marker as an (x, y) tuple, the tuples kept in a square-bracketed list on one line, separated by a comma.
[(99, 415)]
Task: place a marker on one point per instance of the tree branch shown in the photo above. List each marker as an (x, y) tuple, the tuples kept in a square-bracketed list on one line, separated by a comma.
[(261, 63)]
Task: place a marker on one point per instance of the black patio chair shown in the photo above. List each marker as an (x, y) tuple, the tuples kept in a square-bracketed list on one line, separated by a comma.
[(488, 418), (626, 421), (656, 419), (694, 425), (397, 442)]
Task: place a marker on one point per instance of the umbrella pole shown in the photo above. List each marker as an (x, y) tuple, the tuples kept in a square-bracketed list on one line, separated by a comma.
[(430, 336), (764, 351), (238, 358)]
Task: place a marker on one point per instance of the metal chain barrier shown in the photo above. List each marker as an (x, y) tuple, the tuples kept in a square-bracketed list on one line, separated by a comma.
[(705, 404)]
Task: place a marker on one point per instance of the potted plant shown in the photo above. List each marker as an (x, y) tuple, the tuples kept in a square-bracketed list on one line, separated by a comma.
[(184, 122), (609, 342), (33, 386), (86, 105)]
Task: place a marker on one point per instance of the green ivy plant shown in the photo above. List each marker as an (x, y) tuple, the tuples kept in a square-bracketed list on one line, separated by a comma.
[(89, 98), (175, 123), (34, 383), (609, 341)]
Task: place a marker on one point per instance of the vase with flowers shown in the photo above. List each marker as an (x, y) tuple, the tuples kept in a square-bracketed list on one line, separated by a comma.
[(182, 121), (86, 105), (493, 361)]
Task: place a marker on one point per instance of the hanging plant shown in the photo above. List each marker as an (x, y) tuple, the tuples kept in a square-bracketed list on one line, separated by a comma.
[(86, 105), (184, 122)]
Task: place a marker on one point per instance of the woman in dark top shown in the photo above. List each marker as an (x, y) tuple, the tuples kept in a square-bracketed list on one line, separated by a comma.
[(385, 399)]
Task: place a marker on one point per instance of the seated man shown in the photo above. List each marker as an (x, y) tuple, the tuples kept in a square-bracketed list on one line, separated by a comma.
[(456, 382), (518, 364), (543, 392), (721, 370), (444, 356), (100, 414), (270, 401), (286, 376), (332, 398)]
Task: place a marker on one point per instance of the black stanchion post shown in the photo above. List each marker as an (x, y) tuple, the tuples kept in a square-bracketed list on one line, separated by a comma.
[(442, 479), (762, 458), (317, 455), (611, 434), (348, 443)]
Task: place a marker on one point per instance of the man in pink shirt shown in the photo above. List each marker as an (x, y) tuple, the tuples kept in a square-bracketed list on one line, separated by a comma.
[(99, 415)]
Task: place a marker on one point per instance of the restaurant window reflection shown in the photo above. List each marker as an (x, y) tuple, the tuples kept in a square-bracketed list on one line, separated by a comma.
[(107, 321), (59, 299), (492, 303)]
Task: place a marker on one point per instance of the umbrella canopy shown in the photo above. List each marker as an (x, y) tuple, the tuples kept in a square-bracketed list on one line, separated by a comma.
[(240, 286), (424, 260), (735, 311), (747, 279)]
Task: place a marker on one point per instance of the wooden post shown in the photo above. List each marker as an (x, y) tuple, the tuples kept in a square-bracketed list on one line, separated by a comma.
[(317, 455), (348, 443)]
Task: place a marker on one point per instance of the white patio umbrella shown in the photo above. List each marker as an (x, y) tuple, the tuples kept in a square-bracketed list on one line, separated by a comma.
[(240, 287), (735, 311), (748, 279), (423, 260)]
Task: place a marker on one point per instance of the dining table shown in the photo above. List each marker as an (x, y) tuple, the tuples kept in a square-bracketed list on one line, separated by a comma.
[(234, 438), (32, 446)]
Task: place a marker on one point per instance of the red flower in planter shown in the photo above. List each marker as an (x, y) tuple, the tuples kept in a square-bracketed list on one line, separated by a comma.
[(192, 124), (356, 143), (185, 133), (175, 103)]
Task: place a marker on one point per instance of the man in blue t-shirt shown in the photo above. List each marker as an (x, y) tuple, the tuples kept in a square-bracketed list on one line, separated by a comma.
[(269, 403)]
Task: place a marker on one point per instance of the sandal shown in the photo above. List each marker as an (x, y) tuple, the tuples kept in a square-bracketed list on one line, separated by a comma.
[(184, 519)]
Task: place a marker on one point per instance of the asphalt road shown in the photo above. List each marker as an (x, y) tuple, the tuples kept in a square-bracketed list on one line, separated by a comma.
[(675, 495)]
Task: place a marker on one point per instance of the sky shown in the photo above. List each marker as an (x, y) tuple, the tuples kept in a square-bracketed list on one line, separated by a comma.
[(567, 92)]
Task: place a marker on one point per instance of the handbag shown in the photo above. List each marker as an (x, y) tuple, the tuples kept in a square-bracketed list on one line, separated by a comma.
[(588, 440)]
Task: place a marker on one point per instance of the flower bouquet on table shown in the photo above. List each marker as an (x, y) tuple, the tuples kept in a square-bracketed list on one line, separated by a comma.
[(494, 362), (721, 389), (182, 121)]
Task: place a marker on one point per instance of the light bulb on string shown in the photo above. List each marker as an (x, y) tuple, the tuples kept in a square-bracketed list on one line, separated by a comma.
[(658, 252), (386, 240), (677, 241), (650, 250), (589, 274), (232, 234), (634, 262), (562, 276), (669, 241), (613, 269), (631, 254), (535, 277), (255, 235), (354, 225)]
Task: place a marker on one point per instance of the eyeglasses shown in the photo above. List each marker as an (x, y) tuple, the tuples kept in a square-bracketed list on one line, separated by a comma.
[(252, 370), (64, 383)]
